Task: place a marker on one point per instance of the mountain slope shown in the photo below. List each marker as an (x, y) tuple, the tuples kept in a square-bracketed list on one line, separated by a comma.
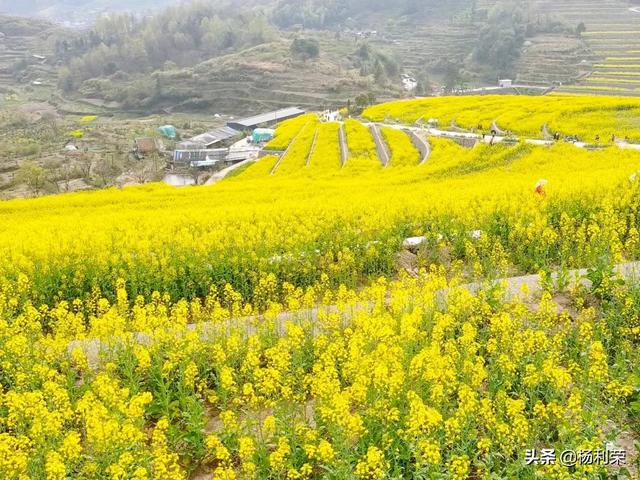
[(77, 11)]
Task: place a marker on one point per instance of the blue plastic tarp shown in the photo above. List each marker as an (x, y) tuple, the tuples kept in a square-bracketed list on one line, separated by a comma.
[(168, 131), (262, 135)]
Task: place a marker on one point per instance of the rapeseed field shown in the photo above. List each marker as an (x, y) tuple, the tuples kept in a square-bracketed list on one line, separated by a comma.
[(264, 327)]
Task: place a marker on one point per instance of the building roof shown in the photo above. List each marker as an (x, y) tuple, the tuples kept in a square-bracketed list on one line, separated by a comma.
[(269, 117), (189, 145), (215, 136)]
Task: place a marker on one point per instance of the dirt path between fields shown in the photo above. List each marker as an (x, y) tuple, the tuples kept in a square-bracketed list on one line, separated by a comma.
[(421, 144), (435, 132), (284, 154), (381, 147), (313, 147), (512, 288), (344, 148), (216, 177)]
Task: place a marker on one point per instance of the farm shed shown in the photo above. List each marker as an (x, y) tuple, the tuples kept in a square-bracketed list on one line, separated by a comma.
[(269, 118), (213, 137), (190, 145), (199, 158)]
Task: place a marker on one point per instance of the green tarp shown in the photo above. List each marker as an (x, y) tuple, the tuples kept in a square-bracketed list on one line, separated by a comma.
[(168, 131), (262, 135)]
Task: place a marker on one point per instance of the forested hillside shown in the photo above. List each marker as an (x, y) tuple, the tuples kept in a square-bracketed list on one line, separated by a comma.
[(182, 35), (203, 53), (231, 56), (332, 13)]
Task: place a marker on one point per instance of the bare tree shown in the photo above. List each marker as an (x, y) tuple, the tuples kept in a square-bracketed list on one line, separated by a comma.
[(107, 171), (85, 164), (66, 173), (194, 173), (142, 173)]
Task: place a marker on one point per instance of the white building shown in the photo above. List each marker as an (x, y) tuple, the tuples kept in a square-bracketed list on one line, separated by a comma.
[(409, 83)]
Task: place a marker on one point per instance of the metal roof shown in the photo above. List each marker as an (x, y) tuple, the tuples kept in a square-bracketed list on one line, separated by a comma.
[(215, 136), (189, 145), (268, 117)]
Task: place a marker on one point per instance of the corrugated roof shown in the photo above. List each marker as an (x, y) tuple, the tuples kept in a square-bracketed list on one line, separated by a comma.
[(215, 136), (268, 117), (189, 145)]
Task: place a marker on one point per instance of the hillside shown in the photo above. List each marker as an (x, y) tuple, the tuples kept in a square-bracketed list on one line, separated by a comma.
[(238, 59), (215, 56), (26, 54), (253, 80), (611, 29), (317, 318), (232, 59), (77, 12)]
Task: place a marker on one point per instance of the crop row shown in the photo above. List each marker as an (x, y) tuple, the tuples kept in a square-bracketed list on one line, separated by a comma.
[(403, 152), (288, 130), (362, 149)]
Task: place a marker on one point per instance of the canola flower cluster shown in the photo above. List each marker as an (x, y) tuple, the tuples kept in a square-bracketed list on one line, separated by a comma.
[(397, 380), (586, 117), (263, 327)]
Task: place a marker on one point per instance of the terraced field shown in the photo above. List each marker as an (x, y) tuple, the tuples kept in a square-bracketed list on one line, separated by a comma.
[(592, 119), (426, 42), (601, 61), (613, 36), (263, 76), (552, 59), (310, 147), (26, 44)]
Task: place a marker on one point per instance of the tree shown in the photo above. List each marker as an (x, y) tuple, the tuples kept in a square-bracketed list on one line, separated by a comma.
[(148, 170), (107, 171), (258, 30), (217, 35), (581, 28), (501, 39), (365, 99), (33, 176), (361, 102), (66, 173), (85, 165), (305, 48), (194, 173), (452, 76), (379, 73), (424, 84)]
